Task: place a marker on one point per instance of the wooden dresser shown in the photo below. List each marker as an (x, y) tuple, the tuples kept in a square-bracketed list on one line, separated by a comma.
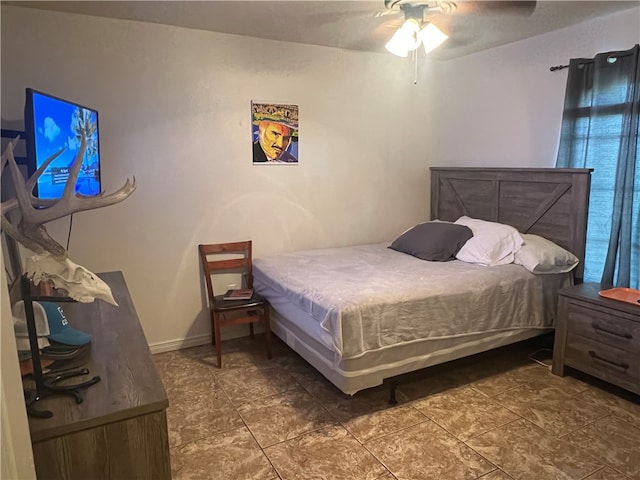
[(119, 431), (598, 336)]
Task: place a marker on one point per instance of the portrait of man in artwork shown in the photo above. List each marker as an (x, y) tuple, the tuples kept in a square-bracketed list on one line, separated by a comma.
[(273, 141), (275, 132)]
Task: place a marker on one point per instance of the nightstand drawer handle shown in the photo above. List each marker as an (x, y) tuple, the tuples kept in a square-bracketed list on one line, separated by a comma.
[(598, 328), (595, 356)]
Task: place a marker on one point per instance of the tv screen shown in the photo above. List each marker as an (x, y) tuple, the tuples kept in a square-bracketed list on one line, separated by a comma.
[(52, 124)]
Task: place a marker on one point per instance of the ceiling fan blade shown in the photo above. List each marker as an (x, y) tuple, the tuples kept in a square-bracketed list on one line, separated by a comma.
[(330, 13), (384, 13), (389, 4), (516, 7)]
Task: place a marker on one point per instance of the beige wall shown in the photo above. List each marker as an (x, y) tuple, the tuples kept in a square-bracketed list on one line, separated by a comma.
[(174, 112), (174, 108), (503, 107)]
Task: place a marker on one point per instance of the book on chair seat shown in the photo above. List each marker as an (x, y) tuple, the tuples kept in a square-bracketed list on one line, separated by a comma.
[(238, 294)]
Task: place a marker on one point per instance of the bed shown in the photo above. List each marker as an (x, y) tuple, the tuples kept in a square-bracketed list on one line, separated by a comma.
[(366, 313)]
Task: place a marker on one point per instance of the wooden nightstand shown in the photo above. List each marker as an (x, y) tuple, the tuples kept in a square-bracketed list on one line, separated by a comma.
[(598, 336)]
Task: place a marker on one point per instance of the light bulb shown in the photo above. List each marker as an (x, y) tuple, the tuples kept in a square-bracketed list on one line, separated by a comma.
[(405, 39), (431, 37)]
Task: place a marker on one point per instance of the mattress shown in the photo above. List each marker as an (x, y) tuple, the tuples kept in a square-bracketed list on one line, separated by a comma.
[(369, 311)]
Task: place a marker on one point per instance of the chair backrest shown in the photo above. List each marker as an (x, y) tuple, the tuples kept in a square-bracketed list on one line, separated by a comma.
[(218, 258)]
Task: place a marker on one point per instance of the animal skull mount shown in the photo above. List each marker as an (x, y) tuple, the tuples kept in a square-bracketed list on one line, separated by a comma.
[(78, 282), (51, 261)]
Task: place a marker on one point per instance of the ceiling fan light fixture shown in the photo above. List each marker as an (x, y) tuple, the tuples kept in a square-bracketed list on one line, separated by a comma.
[(406, 39), (431, 37)]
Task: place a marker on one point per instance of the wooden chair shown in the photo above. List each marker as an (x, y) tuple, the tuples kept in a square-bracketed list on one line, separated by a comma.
[(225, 258)]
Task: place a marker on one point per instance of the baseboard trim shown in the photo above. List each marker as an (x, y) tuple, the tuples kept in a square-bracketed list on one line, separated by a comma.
[(172, 345), (234, 331)]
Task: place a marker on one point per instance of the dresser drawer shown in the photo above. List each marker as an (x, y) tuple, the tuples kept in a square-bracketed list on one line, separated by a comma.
[(603, 327), (608, 363)]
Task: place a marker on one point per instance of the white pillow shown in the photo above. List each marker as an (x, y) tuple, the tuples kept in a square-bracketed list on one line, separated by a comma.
[(492, 243), (539, 255)]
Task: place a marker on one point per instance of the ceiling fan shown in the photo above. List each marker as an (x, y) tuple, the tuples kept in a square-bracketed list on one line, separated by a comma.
[(421, 16)]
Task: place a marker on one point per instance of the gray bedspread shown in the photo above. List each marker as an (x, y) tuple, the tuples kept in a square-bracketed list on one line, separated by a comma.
[(370, 297)]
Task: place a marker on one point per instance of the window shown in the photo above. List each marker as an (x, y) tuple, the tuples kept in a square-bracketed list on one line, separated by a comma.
[(600, 131)]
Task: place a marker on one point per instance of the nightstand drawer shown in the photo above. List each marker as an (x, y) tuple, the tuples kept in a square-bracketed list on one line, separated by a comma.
[(613, 365), (603, 327)]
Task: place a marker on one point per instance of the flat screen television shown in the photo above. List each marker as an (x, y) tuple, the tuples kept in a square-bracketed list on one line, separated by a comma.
[(52, 124)]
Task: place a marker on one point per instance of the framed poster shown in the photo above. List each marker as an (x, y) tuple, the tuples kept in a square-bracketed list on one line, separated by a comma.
[(274, 128)]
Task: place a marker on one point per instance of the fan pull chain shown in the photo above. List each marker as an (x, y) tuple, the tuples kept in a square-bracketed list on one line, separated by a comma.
[(415, 66)]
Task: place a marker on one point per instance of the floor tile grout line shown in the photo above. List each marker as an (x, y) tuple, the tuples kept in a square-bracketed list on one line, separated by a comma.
[(337, 423), (262, 449), (599, 469), (198, 439), (395, 432), (583, 427), (228, 399), (563, 435), (389, 433), (610, 409), (605, 463), (380, 461), (498, 467), (498, 427), (550, 435), (244, 423)]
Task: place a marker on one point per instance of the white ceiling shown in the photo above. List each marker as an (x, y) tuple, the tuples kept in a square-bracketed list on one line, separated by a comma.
[(352, 25)]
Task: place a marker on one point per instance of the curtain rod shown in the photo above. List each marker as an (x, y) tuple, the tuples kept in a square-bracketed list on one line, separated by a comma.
[(611, 55)]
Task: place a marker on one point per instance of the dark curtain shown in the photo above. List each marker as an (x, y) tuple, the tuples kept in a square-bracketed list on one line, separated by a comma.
[(600, 131)]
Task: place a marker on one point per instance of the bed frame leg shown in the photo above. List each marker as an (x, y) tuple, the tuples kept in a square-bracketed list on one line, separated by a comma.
[(392, 393)]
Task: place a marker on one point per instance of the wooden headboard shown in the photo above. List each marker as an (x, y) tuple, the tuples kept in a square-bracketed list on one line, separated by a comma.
[(550, 202)]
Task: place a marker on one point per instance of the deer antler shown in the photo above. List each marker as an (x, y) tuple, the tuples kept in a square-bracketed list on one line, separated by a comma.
[(35, 212)]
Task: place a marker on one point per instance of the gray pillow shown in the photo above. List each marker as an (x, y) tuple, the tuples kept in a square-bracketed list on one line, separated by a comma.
[(433, 241)]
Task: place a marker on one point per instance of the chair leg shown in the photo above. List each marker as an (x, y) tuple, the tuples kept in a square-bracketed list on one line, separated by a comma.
[(267, 330), (213, 329), (251, 330), (216, 330)]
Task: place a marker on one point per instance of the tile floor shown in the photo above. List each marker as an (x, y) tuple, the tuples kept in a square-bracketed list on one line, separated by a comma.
[(495, 416)]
